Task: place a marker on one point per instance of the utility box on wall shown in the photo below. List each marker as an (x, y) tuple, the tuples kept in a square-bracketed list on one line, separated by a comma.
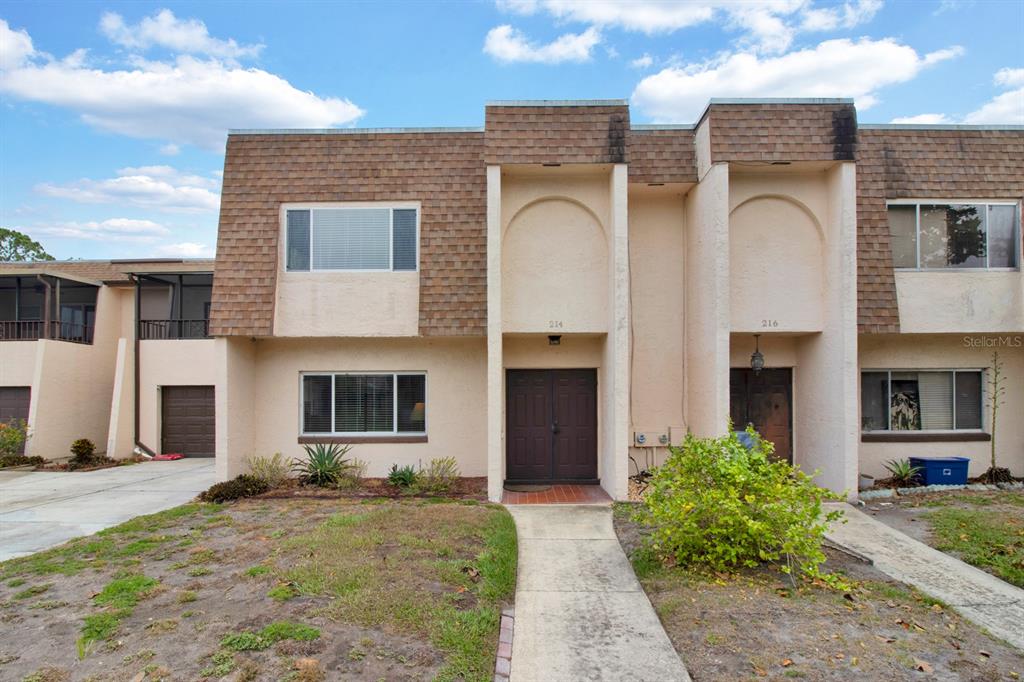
[(650, 439)]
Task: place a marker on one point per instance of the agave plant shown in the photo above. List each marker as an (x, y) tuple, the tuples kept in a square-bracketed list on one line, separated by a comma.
[(325, 464), (403, 477), (902, 473)]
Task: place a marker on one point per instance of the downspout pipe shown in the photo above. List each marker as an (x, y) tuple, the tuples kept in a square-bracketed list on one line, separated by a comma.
[(140, 447)]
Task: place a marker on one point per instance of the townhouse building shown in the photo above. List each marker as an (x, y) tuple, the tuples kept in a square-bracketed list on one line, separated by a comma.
[(118, 352), (560, 295)]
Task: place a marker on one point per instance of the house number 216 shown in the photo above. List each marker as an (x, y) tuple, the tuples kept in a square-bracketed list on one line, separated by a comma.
[(767, 324), (554, 324)]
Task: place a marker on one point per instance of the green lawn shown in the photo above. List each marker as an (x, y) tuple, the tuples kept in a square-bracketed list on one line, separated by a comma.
[(987, 532)]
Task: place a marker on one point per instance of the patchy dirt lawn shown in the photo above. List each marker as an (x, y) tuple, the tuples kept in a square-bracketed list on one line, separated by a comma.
[(985, 529), (754, 626), (267, 589)]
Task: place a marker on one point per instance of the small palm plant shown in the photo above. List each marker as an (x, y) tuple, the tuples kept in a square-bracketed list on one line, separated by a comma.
[(325, 464), (901, 472), (403, 477)]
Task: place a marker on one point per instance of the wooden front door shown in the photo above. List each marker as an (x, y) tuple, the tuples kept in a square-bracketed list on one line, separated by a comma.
[(551, 425), (764, 399)]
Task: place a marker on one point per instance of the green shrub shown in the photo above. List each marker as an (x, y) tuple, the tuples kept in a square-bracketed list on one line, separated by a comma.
[(13, 435), (901, 472), (83, 449), (273, 470), (19, 460), (405, 477), (238, 487), (440, 475), (354, 474), (324, 466), (717, 504)]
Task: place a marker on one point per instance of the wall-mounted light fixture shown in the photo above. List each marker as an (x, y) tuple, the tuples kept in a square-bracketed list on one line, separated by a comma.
[(554, 340), (756, 359)]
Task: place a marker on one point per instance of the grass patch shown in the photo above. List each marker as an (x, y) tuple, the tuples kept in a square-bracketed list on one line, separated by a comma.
[(989, 539), (254, 571), (124, 593), (270, 635), (33, 591), (282, 592), (187, 596), (445, 581)]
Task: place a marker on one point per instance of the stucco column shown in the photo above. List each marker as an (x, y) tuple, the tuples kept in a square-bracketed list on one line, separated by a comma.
[(234, 404), (707, 304), (827, 362), (615, 455), (495, 372)]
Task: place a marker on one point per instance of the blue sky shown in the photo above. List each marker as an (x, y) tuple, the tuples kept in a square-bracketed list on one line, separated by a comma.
[(113, 115)]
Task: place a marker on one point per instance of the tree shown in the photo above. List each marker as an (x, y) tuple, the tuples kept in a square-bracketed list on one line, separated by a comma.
[(15, 246), (996, 391)]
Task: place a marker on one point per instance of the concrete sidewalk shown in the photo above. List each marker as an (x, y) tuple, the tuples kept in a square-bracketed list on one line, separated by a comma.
[(580, 613), (984, 599), (40, 509)]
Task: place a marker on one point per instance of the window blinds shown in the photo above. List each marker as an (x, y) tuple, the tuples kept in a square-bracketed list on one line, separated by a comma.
[(347, 239)]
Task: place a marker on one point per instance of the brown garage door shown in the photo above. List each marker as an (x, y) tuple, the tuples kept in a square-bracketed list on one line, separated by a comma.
[(14, 402), (187, 420)]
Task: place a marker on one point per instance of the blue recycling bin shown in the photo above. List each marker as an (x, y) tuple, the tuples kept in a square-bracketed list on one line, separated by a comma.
[(941, 470)]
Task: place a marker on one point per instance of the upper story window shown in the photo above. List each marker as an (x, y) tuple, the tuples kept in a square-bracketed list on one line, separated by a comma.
[(381, 239), (930, 236)]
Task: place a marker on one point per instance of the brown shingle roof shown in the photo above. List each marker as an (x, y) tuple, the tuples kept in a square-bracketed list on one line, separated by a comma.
[(662, 155), (553, 133), (899, 163), (791, 131), (443, 170), (114, 272)]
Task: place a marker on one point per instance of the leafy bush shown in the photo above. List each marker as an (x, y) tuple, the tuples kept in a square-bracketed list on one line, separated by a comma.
[(901, 473), (83, 449), (20, 460), (238, 487), (325, 466), (13, 435), (716, 503), (440, 475), (405, 477), (272, 470)]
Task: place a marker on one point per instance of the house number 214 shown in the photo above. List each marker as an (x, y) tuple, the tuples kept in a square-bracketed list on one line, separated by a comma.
[(767, 324)]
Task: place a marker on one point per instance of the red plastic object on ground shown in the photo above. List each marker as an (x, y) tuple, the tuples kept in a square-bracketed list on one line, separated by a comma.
[(168, 456)]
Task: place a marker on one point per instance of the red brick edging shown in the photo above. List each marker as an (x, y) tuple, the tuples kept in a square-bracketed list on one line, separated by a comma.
[(503, 664)]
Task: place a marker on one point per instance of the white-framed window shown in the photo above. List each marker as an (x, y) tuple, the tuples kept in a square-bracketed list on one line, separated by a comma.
[(364, 238), (921, 400), (939, 236), (364, 403)]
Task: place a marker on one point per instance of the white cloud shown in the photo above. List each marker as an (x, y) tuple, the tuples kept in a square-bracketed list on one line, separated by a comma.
[(834, 68), (1004, 109), (15, 47), (182, 100), (182, 36), (643, 62), (925, 119), (508, 44), (170, 149), (768, 24), (185, 250), (121, 229), (1009, 77), (155, 187)]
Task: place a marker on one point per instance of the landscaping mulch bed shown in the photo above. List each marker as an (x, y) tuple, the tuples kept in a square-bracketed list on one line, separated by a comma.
[(267, 589), (755, 625), (472, 488), (985, 529)]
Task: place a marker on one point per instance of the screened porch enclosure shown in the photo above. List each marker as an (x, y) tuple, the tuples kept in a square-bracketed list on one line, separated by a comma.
[(174, 306), (45, 307)]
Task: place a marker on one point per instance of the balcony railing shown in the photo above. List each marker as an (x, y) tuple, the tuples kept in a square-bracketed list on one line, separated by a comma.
[(32, 330), (174, 329)]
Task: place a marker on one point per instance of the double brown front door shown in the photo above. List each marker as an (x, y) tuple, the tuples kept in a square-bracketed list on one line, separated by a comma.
[(551, 425), (764, 399)]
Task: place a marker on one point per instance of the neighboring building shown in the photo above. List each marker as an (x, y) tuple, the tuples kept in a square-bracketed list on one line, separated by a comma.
[(557, 295), (69, 331)]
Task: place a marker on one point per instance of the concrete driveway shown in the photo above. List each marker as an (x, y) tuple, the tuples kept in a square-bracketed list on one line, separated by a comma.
[(40, 509)]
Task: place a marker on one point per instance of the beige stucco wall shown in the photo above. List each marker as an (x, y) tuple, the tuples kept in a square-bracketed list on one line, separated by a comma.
[(268, 420), (235, 402), (190, 362), (72, 385), (706, 295), (555, 253), (338, 303), (657, 221), (19, 363), (960, 301), (952, 351), (776, 252)]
